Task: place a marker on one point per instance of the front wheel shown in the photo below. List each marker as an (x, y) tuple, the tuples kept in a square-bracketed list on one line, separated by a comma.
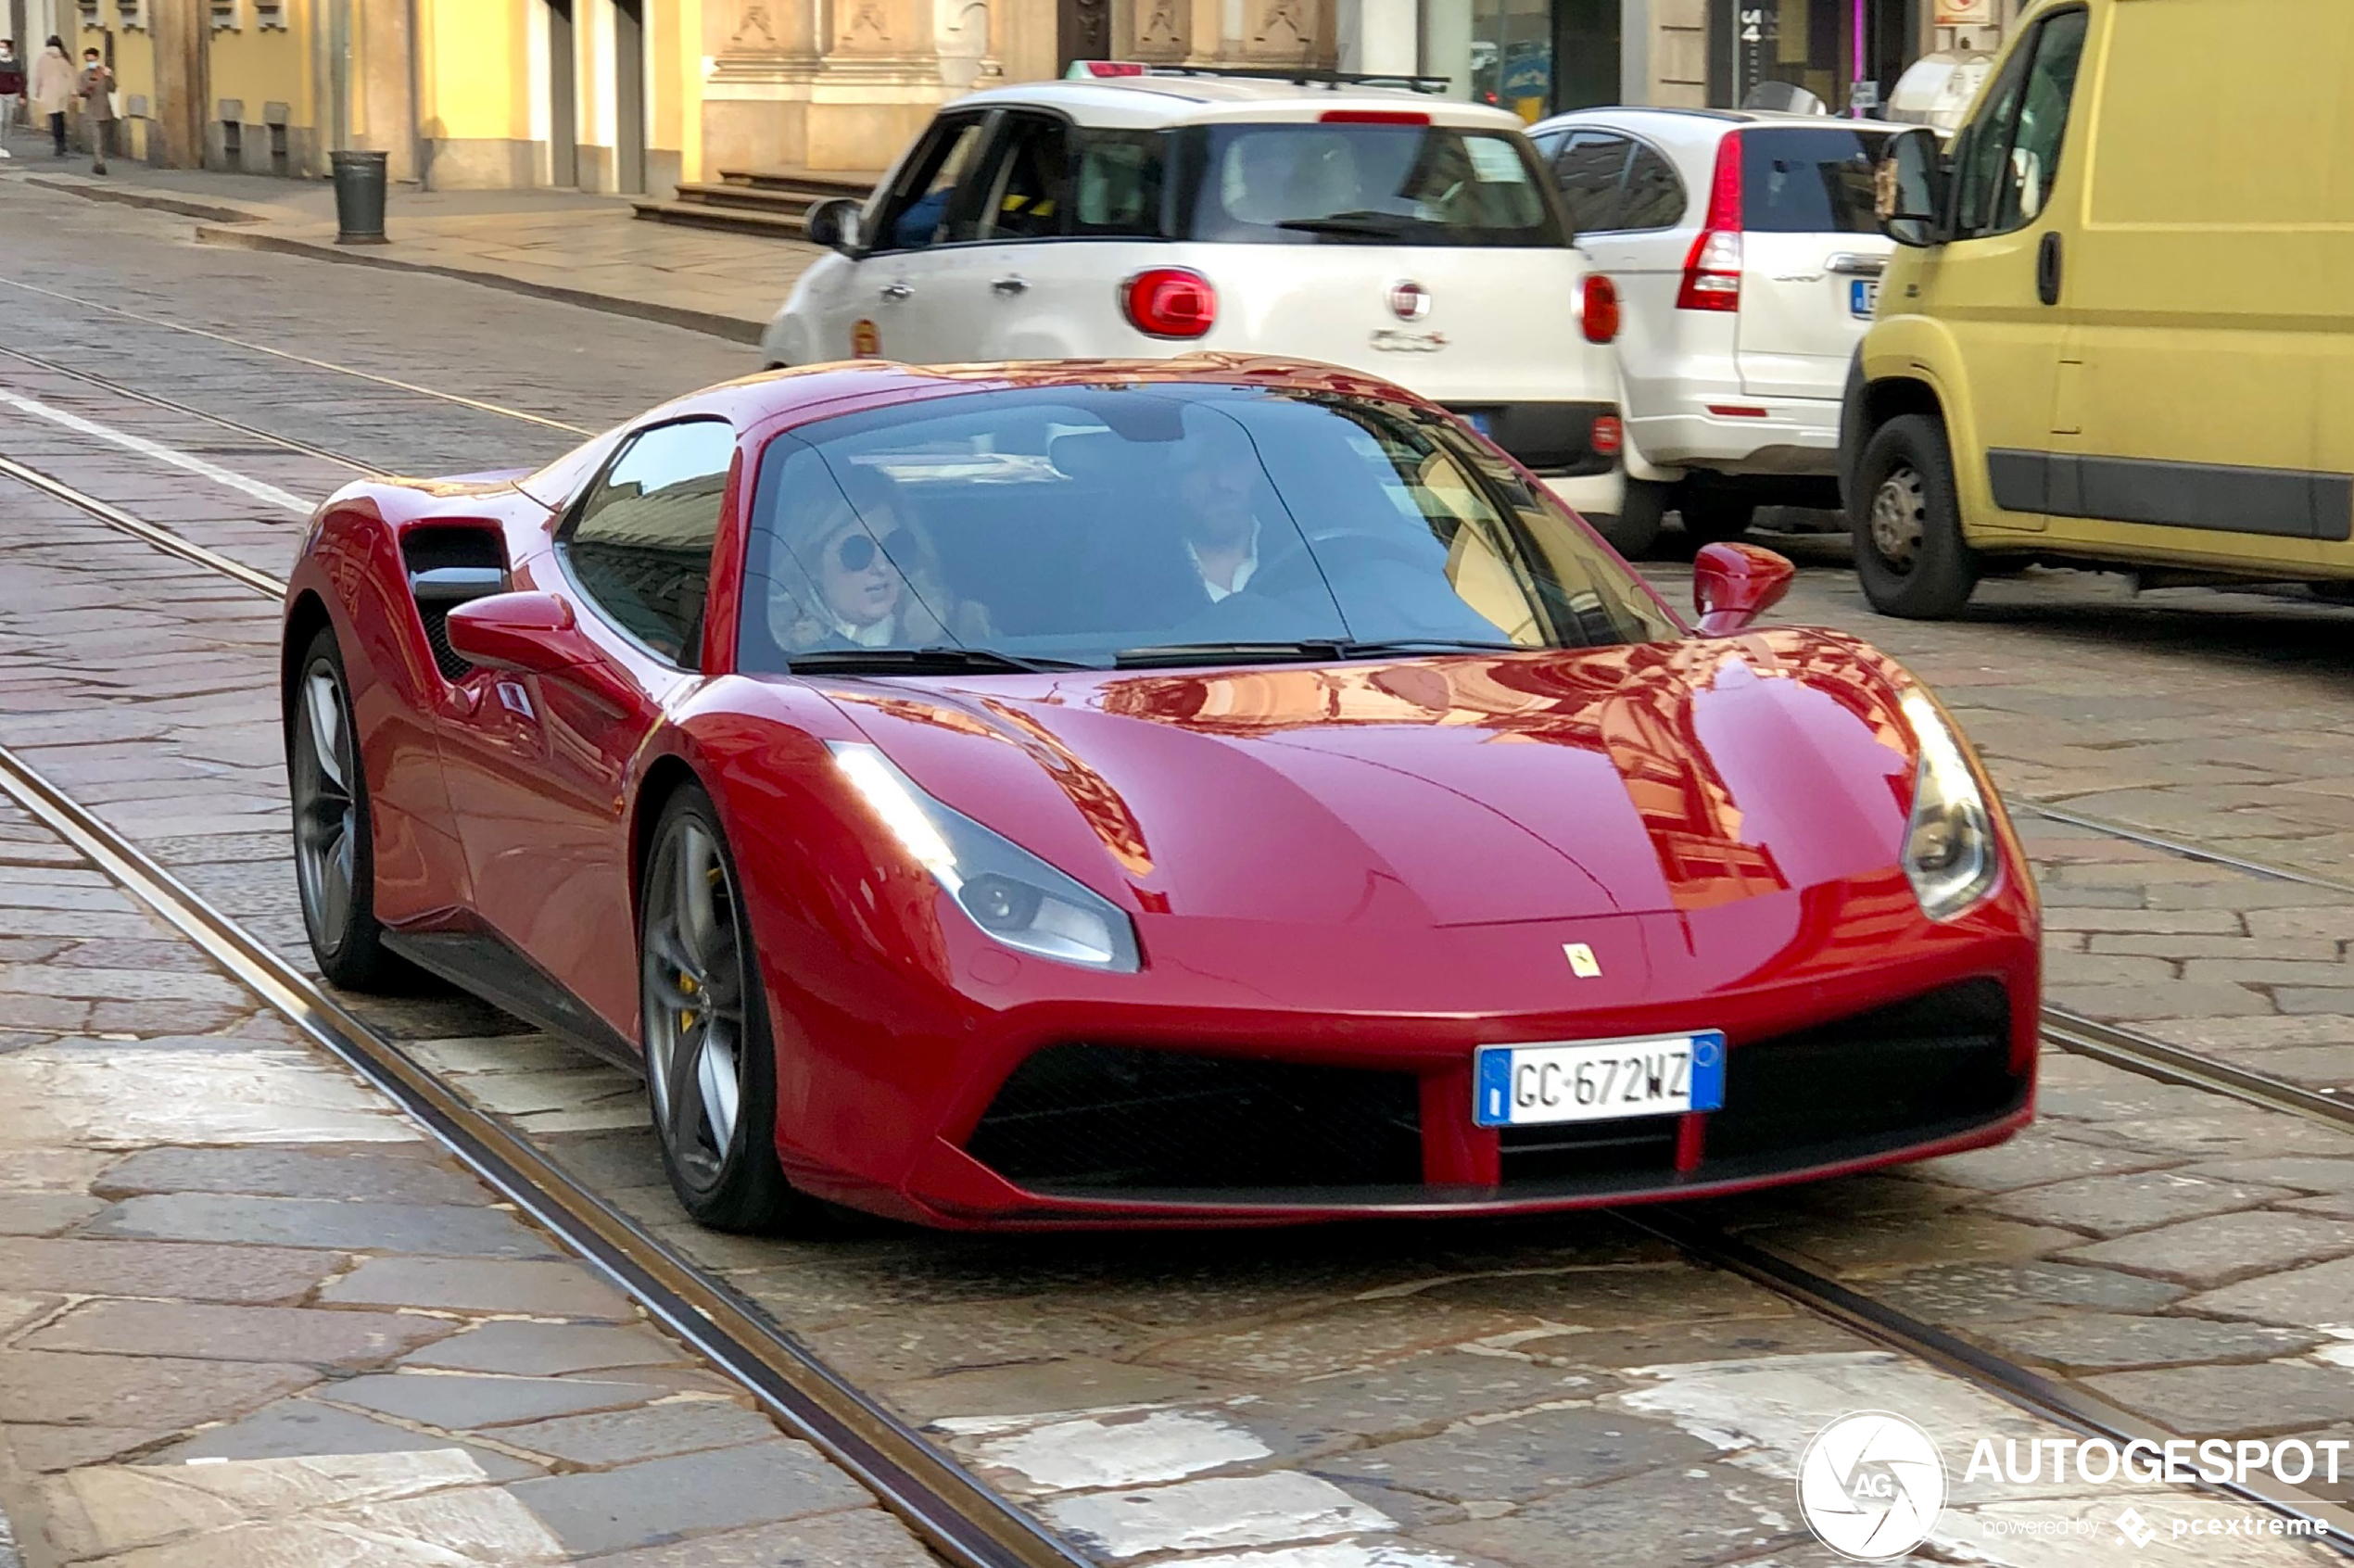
[(1906, 515), (710, 1066)]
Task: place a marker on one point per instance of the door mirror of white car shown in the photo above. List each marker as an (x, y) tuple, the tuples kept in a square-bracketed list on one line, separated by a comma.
[(1908, 187), (834, 223)]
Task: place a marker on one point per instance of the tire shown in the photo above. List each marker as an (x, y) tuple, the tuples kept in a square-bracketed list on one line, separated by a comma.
[(1635, 528), (333, 839), (1714, 516), (710, 1062), (1910, 555)]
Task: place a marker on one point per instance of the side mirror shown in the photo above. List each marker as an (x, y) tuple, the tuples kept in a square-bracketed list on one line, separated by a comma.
[(834, 224), (522, 633), (1908, 187), (1733, 585)]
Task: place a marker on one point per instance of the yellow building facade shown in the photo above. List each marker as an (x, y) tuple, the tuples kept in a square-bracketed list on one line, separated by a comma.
[(611, 96)]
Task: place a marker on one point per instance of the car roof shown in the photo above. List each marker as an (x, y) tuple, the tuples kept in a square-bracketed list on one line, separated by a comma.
[(779, 399), (1707, 122), (1153, 101)]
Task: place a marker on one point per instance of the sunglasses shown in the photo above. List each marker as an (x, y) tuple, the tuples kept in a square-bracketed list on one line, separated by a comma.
[(858, 552)]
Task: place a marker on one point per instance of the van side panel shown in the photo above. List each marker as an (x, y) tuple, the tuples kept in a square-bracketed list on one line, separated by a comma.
[(2206, 286)]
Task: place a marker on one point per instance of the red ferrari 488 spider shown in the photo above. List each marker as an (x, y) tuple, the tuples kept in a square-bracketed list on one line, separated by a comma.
[(1202, 791)]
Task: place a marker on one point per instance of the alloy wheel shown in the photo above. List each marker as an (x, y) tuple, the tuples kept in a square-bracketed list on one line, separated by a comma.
[(694, 1000), (1900, 518), (326, 814)]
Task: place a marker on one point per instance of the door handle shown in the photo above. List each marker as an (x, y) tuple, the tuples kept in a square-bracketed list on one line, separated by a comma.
[(2047, 267), (1009, 286), (897, 291)]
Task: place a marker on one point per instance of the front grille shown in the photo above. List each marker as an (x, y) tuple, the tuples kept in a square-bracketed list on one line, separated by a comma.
[(1117, 1118), (1899, 1075)]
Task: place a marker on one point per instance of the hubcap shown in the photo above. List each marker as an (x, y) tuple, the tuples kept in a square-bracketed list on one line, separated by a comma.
[(694, 1007), (325, 816), (1900, 515)]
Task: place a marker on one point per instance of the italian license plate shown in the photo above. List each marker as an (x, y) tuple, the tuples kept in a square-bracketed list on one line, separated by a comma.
[(1863, 297), (1599, 1081)]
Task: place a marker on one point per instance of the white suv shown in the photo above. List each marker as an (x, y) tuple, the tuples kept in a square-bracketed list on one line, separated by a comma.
[(1152, 215), (1748, 262)]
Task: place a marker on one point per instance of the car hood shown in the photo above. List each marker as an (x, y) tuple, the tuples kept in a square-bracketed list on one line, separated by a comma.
[(1446, 791)]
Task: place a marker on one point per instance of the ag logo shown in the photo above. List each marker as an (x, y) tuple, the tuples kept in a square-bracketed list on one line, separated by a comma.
[(1871, 1485), (866, 340)]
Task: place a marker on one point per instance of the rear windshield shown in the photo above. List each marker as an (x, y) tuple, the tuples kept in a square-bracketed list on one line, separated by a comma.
[(1808, 180), (1365, 185)]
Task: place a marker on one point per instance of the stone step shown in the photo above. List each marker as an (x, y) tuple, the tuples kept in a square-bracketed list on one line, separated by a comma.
[(735, 220), (805, 181)]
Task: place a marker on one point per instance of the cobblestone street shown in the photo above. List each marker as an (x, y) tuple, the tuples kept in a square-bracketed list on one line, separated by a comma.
[(248, 1313)]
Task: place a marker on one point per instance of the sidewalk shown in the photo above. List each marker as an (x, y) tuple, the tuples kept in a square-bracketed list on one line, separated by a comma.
[(581, 250)]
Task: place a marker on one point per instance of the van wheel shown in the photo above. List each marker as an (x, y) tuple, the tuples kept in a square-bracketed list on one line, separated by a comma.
[(1636, 527), (1909, 552), (1715, 517)]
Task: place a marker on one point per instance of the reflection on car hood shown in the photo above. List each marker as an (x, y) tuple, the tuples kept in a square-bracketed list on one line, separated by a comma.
[(1456, 790)]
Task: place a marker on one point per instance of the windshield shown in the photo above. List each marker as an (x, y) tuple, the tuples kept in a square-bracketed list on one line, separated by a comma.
[(1808, 180), (1355, 184), (1171, 524)]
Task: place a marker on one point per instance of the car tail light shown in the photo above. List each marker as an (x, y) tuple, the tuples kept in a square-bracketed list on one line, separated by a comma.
[(1607, 435), (1713, 270), (1598, 309), (1374, 117), (1169, 302)]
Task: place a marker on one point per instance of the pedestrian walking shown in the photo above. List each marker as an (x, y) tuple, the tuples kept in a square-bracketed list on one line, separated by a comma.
[(53, 85), (97, 107)]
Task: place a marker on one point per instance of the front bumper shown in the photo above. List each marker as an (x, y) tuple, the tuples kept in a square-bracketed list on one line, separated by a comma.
[(1090, 1117)]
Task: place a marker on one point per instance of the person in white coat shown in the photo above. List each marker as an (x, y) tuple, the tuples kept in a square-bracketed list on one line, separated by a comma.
[(56, 85)]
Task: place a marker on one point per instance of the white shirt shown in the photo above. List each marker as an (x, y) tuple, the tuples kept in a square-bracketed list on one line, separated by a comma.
[(1242, 573), (874, 634)]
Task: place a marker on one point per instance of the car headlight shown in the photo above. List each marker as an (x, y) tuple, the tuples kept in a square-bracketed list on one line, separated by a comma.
[(1950, 855), (1007, 891)]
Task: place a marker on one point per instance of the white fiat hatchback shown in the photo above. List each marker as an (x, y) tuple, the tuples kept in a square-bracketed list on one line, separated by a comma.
[(1145, 215)]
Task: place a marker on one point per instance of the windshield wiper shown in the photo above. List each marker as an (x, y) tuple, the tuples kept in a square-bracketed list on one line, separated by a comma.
[(1370, 225), (1315, 650), (921, 661)]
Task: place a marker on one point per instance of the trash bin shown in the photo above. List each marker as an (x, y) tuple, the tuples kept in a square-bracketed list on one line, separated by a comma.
[(360, 197)]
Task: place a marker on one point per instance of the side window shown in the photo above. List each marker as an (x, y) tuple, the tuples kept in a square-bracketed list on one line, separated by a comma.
[(918, 213), (2043, 121), (640, 545), (1116, 183), (1588, 170), (1655, 197), (1023, 192), (2010, 153)]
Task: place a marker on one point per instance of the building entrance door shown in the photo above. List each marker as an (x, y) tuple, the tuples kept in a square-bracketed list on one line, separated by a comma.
[(563, 98), (1082, 31), (629, 96), (1824, 47)]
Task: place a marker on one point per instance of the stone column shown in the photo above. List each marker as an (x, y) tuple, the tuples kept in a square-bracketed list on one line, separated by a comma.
[(179, 30)]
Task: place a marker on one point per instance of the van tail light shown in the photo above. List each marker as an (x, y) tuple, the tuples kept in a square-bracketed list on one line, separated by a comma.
[(1373, 117), (1169, 302), (1598, 309), (1713, 270), (1607, 436)]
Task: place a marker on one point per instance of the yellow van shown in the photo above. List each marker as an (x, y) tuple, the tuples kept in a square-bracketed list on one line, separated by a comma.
[(2118, 329)]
